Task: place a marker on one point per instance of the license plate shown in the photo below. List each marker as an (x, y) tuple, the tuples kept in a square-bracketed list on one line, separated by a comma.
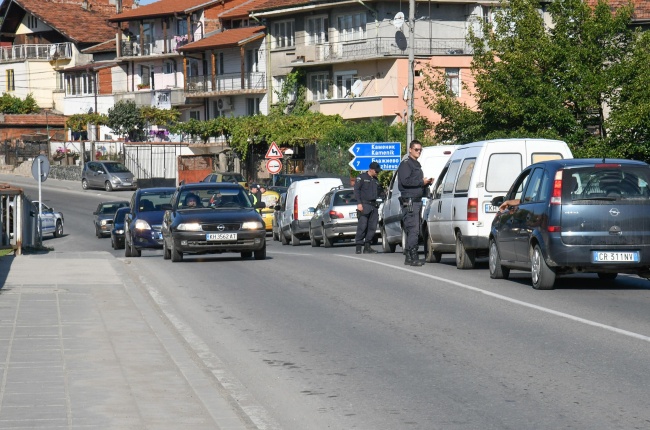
[(353, 214), (490, 209), (614, 257), (221, 236), (128, 184), (307, 212)]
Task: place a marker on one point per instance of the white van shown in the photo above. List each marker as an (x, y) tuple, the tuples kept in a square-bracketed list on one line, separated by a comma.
[(432, 159), (459, 214), (302, 197)]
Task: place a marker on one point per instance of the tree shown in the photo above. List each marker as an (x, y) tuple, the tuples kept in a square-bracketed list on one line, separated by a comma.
[(14, 105), (125, 119)]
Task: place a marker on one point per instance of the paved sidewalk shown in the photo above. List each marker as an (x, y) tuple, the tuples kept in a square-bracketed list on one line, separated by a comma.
[(81, 347)]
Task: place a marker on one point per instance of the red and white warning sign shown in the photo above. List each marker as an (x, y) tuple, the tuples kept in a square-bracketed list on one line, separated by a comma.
[(274, 151), (274, 166)]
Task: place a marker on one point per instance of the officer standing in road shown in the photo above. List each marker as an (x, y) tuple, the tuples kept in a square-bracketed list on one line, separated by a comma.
[(366, 191), (411, 183)]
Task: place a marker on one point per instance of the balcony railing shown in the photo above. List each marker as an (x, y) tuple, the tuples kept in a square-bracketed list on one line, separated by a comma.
[(132, 48), (226, 82), (45, 51), (386, 46)]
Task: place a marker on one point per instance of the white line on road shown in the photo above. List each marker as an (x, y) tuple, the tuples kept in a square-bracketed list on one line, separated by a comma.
[(511, 300), (288, 253)]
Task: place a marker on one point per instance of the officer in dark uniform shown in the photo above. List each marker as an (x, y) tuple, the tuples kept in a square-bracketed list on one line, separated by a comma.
[(366, 191), (411, 183)]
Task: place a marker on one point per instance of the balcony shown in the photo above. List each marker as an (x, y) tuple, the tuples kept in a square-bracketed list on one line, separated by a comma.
[(132, 48), (383, 47), (229, 82), (45, 51)]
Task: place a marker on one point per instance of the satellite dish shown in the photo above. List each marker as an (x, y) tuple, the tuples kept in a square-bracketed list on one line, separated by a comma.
[(398, 21), (357, 88)]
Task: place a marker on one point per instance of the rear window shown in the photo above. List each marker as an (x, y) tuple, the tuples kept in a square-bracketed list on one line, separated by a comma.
[(620, 183), (343, 198), (502, 171), (538, 157)]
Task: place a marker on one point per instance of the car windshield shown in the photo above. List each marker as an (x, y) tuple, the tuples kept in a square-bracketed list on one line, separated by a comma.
[(343, 198), (606, 183), (213, 198), (233, 177), (154, 201), (116, 168), (111, 208)]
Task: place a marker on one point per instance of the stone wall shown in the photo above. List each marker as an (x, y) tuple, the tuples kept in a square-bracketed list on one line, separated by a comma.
[(67, 173)]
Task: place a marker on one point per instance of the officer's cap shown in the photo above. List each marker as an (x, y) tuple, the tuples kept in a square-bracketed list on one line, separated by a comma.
[(375, 166)]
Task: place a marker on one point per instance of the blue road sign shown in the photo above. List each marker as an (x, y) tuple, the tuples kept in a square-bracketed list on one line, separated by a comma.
[(376, 149), (386, 163)]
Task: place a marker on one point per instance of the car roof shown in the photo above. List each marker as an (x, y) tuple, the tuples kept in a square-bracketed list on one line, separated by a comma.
[(123, 209), (577, 162), (208, 185), (154, 190), (114, 202)]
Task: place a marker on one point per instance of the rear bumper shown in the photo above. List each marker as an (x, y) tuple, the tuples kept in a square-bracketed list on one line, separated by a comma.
[(579, 257), (476, 242)]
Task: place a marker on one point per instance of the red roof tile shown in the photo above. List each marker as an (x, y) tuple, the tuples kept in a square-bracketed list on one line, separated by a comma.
[(277, 4), (161, 8), (225, 38), (108, 46), (75, 23), (240, 8), (641, 7), (51, 119)]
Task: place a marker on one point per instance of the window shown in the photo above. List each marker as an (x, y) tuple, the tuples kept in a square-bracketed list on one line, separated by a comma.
[(253, 106), (318, 86), (317, 29), (32, 22), (450, 178), (283, 34), (463, 182), (80, 84), (252, 56), (452, 78), (193, 67), (352, 27), (145, 73), (220, 64), (532, 193), (195, 114), (11, 83), (343, 82), (171, 69), (60, 81), (238, 23), (502, 171), (181, 26)]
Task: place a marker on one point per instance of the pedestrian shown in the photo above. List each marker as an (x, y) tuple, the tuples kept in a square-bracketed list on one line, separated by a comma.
[(411, 183), (366, 191)]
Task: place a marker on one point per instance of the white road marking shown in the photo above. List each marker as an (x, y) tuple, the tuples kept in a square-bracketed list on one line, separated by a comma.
[(288, 253), (511, 300)]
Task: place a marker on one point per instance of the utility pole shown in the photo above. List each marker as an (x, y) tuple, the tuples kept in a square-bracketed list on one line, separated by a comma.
[(410, 126)]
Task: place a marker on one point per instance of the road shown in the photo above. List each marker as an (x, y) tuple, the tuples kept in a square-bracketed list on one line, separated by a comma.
[(315, 338)]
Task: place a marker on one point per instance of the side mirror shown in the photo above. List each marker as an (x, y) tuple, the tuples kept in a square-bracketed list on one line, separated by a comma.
[(277, 207), (498, 201)]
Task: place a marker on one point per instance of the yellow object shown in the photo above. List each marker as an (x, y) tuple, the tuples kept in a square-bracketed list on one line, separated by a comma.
[(270, 198)]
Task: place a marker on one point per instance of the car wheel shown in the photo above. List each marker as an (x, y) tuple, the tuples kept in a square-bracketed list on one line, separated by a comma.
[(107, 186), (97, 233), (283, 238), (135, 252), (327, 242), (247, 254), (275, 234), (312, 239), (167, 254), (176, 255), (496, 270), (386, 247), (127, 248), (260, 254), (113, 245), (431, 256), (543, 276), (464, 259), (58, 231), (295, 240), (84, 184), (607, 276)]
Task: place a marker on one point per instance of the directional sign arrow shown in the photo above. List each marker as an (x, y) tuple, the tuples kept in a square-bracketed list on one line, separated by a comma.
[(386, 163), (376, 149)]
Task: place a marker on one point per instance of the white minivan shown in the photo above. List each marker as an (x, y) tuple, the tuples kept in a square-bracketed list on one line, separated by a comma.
[(432, 160), (302, 197), (459, 214)]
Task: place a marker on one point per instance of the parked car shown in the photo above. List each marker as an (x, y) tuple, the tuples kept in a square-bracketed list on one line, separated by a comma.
[(302, 197), (223, 221), (235, 178), (277, 216), (432, 159), (335, 218), (109, 175), (103, 216), (281, 181), (270, 199), (142, 224), (459, 213), (117, 230), (51, 220), (574, 216)]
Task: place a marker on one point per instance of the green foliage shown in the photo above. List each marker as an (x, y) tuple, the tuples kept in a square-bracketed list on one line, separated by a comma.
[(160, 117), (292, 95), (14, 105), (126, 119), (78, 122)]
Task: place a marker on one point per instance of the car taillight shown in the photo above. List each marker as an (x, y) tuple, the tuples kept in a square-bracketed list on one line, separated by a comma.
[(334, 214), (554, 229), (556, 196), (606, 165), (472, 209), (295, 207)]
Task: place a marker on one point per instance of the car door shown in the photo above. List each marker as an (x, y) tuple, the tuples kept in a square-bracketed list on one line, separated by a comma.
[(509, 221), (91, 177), (533, 212), (434, 207), (446, 210), (48, 219), (392, 211)]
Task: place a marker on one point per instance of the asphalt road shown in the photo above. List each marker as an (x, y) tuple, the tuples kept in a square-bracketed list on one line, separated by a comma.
[(315, 338)]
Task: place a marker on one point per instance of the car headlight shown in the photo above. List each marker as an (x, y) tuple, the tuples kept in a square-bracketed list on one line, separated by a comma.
[(189, 226), (116, 180), (142, 225), (252, 225), (120, 231), (103, 222)]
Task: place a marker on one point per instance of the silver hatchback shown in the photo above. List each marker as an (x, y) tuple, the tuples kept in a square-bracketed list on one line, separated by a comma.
[(109, 175)]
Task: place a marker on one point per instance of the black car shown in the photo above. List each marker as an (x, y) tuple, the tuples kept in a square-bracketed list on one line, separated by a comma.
[(572, 216), (213, 218), (117, 232), (104, 214), (142, 222)]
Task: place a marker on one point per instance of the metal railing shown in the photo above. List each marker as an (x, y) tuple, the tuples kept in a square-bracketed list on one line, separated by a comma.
[(132, 48), (226, 82), (45, 51), (387, 46)]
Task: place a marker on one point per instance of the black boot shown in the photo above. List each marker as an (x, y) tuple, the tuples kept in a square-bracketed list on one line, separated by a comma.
[(415, 261), (368, 250), (408, 258), (359, 249)]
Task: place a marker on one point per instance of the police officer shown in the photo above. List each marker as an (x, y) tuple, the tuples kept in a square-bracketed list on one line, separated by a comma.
[(366, 191), (411, 183)]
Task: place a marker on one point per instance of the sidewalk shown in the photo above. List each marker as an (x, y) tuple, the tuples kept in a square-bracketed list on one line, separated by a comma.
[(81, 347)]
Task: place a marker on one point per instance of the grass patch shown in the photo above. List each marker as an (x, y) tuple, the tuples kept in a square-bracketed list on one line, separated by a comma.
[(4, 252)]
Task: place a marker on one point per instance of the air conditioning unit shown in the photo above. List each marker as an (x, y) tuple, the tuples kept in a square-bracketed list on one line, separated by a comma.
[(224, 103)]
